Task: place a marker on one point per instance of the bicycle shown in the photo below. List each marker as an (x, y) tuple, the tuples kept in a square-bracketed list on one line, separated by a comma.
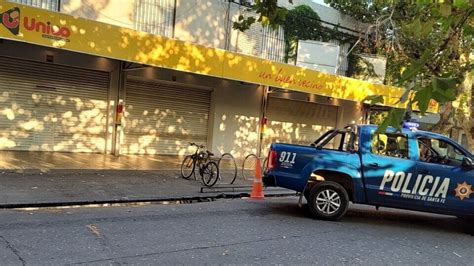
[(249, 164), (208, 170), (227, 169)]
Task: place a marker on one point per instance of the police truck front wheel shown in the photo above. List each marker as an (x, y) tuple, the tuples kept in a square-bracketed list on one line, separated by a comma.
[(328, 201)]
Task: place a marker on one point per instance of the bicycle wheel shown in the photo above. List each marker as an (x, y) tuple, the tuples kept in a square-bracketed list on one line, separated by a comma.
[(227, 169), (248, 166), (199, 163), (210, 174), (187, 167)]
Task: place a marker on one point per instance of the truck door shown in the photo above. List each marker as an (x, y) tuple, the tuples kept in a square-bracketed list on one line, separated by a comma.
[(449, 184), (389, 172)]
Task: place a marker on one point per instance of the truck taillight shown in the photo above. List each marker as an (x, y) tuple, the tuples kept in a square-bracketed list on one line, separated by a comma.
[(271, 162)]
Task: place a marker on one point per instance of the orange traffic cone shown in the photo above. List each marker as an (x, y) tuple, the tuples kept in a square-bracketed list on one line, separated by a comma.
[(257, 189)]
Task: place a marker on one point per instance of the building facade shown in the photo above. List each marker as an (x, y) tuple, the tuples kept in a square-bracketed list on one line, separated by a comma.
[(150, 76)]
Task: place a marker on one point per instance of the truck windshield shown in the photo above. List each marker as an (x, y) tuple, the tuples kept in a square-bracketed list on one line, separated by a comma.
[(440, 151)]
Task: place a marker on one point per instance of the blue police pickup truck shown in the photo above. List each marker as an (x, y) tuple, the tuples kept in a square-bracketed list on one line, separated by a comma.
[(405, 169)]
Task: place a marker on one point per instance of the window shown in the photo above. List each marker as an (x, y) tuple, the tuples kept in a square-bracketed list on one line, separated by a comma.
[(341, 140), (52, 5), (154, 16), (273, 44), (392, 145), (439, 152)]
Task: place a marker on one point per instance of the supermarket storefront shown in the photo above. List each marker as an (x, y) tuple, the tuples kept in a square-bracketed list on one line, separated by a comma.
[(75, 85)]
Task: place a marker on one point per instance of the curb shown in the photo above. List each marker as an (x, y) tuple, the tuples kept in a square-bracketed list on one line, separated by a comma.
[(177, 200)]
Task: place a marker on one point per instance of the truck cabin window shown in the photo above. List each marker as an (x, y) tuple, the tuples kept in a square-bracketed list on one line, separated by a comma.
[(439, 152), (392, 145), (340, 140)]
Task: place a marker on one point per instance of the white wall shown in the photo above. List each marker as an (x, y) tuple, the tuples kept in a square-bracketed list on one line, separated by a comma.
[(115, 12), (202, 22), (209, 23), (126, 13), (237, 109), (349, 111), (205, 22)]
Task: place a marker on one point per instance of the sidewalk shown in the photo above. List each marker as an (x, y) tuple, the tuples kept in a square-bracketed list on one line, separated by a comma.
[(46, 161), (54, 179)]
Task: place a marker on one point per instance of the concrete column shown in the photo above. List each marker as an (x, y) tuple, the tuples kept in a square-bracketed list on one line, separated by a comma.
[(116, 97)]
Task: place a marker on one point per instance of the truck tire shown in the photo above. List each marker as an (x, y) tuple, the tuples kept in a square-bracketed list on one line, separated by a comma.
[(328, 201)]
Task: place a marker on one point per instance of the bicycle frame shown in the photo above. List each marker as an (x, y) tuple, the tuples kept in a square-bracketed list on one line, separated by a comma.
[(206, 167), (200, 156)]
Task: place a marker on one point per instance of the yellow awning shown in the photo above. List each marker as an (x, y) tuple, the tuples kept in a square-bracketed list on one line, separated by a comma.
[(42, 27)]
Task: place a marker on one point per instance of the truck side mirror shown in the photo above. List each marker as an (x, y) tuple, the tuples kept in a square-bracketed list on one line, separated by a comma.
[(467, 163)]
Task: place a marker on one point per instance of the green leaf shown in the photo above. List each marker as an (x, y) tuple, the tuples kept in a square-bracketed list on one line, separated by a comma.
[(243, 23), (468, 30), (444, 89), (444, 96), (445, 10), (394, 119), (446, 23), (427, 28), (422, 98), (374, 99), (444, 83), (415, 67), (415, 27)]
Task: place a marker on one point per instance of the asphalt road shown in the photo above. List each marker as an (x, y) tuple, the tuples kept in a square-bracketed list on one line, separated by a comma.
[(230, 232)]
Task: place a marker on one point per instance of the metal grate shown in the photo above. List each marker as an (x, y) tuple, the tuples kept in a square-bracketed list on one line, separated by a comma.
[(52, 5), (155, 16), (64, 111), (273, 44), (162, 117)]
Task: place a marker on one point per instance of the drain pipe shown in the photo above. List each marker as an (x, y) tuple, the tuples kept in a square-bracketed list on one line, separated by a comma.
[(262, 121), (118, 111)]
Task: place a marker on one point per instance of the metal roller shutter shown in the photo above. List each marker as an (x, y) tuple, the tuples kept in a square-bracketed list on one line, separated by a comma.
[(297, 122), (162, 117), (46, 107)]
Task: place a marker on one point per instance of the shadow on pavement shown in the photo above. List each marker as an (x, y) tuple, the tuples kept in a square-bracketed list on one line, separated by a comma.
[(384, 217)]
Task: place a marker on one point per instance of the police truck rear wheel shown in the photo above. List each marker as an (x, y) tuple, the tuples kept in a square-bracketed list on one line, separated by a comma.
[(328, 201)]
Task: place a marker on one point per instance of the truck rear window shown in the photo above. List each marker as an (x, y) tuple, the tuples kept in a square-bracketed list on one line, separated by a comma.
[(342, 140), (392, 145)]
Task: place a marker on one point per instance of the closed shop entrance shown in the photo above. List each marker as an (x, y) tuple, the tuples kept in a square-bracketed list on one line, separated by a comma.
[(48, 107), (163, 117), (297, 122)]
